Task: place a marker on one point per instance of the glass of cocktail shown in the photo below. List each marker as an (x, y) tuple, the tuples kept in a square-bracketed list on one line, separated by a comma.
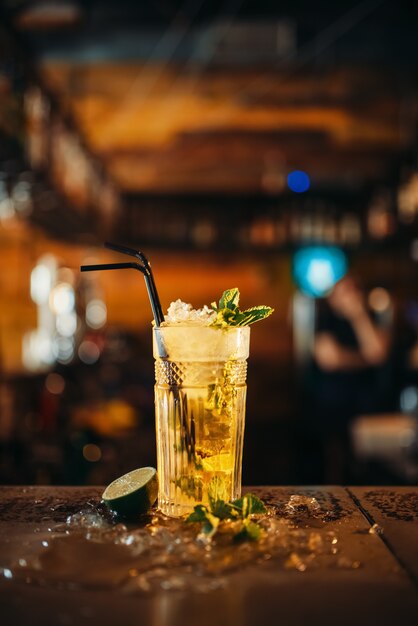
[(200, 391), (200, 369)]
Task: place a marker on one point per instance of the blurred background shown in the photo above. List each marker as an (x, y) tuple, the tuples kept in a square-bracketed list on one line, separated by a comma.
[(266, 145)]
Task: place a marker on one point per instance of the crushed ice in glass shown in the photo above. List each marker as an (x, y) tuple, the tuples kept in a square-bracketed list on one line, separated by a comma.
[(179, 312), (93, 550)]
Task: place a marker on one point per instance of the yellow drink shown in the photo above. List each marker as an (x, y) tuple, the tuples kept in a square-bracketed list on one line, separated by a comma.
[(200, 413)]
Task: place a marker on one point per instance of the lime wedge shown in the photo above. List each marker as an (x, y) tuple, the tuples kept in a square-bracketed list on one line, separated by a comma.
[(132, 494)]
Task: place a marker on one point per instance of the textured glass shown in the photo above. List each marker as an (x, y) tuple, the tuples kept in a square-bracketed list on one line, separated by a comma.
[(200, 412)]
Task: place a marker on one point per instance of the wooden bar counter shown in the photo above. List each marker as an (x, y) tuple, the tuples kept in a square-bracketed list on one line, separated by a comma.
[(371, 579)]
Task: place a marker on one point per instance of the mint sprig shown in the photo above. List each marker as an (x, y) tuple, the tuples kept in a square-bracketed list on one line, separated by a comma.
[(228, 312), (229, 299), (242, 509)]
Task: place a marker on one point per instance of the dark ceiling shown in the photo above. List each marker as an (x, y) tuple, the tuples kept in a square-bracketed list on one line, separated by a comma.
[(369, 30)]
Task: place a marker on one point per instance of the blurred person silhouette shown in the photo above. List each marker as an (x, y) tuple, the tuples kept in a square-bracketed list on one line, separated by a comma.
[(350, 356)]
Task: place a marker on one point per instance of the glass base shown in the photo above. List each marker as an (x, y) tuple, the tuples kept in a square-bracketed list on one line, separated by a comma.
[(173, 510)]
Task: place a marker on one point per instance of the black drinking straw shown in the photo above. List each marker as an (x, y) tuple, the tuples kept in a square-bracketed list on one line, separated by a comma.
[(147, 266), (136, 266)]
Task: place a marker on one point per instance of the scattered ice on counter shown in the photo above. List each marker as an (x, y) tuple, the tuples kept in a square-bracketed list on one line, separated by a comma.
[(315, 542), (294, 561), (344, 562), (164, 554), (87, 519), (376, 530), (179, 312), (302, 504)]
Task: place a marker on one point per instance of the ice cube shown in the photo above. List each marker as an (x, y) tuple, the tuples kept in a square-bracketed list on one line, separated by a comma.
[(302, 504)]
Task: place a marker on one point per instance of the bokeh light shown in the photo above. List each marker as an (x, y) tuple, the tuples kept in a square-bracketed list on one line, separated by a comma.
[(64, 349), (379, 299), (62, 298), (409, 399), (40, 283), (92, 453), (316, 269), (96, 313), (88, 352), (55, 383), (66, 324), (298, 181)]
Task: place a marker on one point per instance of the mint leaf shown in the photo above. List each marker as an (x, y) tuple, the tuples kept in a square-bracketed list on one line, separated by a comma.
[(220, 510), (229, 299), (198, 515), (229, 314), (225, 317), (210, 522), (254, 531), (210, 525), (223, 510), (249, 505), (249, 531), (255, 314)]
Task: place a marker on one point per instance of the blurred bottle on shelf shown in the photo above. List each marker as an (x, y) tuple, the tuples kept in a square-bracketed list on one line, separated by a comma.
[(349, 233), (380, 219), (407, 199)]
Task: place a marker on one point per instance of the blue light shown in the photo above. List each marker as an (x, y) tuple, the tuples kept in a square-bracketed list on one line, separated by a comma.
[(316, 269), (298, 181)]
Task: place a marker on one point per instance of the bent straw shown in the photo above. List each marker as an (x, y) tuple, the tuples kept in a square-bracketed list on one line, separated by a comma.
[(135, 266), (141, 256)]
